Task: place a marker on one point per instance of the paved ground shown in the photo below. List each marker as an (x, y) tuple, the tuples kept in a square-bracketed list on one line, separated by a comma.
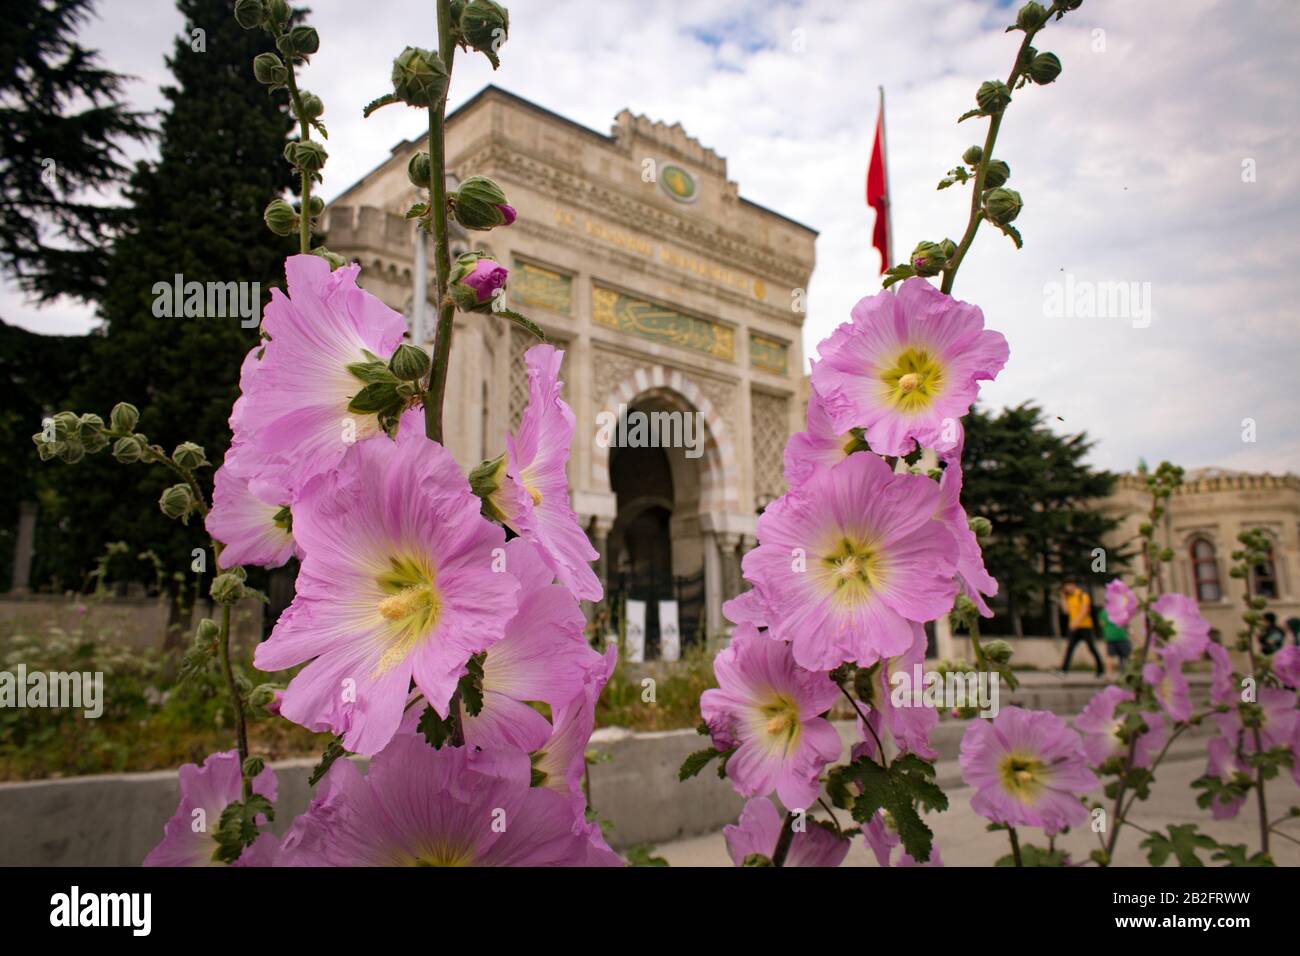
[(963, 841)]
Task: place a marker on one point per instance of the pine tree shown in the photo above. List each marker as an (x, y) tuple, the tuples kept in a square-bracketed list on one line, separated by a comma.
[(62, 126), (196, 212), (1041, 497)]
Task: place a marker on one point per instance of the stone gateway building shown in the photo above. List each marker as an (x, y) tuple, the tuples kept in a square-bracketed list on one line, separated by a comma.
[(668, 291)]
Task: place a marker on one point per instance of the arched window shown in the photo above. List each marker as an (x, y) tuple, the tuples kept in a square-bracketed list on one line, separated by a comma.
[(1263, 577), (1205, 570)]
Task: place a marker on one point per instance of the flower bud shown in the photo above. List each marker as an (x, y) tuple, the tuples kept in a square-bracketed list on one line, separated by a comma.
[(228, 587), (280, 218), (485, 25), (189, 455), (981, 526), (475, 282), (307, 155), (929, 258), (1031, 16), (335, 260), (409, 363), (70, 452), (124, 417), (1002, 205), (312, 106), (253, 765), (127, 450), (992, 97), (972, 156), (249, 13), (999, 652), (177, 501), (277, 11), (480, 204), (996, 173), (419, 77), (1044, 68), (305, 40), (205, 638), (420, 170), (270, 70), (263, 695), (488, 481)]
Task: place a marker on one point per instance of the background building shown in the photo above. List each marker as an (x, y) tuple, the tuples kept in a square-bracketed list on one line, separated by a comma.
[(668, 291), (1201, 526)]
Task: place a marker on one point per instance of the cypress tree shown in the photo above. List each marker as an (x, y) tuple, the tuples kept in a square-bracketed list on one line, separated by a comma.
[(195, 212)]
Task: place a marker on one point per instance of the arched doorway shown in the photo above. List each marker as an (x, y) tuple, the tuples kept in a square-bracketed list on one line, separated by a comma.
[(655, 549)]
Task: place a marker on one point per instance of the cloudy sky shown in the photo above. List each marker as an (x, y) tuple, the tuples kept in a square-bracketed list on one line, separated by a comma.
[(1166, 157)]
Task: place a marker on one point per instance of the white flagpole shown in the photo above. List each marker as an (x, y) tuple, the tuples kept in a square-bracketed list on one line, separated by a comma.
[(889, 204)]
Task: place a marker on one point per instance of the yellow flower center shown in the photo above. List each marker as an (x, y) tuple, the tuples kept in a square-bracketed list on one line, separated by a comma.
[(411, 607), (855, 569), (782, 722), (535, 495), (914, 379), (1022, 776), (436, 854)]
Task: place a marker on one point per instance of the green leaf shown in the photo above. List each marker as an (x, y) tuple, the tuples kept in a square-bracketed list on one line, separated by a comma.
[(437, 730), (696, 762), (333, 751), (376, 397), (471, 686), (643, 855), (524, 323), (1235, 855), (378, 103), (238, 826), (968, 115), (1182, 843), (898, 789), (897, 273), (1014, 233)]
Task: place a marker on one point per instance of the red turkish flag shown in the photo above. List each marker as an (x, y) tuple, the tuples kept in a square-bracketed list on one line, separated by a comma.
[(878, 192)]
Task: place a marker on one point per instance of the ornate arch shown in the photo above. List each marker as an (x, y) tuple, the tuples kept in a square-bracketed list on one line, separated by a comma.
[(719, 485)]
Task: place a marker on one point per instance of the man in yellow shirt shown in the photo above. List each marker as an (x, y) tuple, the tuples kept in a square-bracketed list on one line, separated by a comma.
[(1078, 608)]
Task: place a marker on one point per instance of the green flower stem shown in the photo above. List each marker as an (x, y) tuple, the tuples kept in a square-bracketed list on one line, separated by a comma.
[(995, 123), (1015, 846), (1260, 798), (304, 134), (1153, 588), (442, 249)]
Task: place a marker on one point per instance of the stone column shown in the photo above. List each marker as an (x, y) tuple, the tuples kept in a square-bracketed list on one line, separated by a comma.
[(713, 585), (728, 545), (24, 547)]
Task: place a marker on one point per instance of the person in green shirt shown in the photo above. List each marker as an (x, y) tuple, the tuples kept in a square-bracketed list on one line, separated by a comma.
[(1118, 646)]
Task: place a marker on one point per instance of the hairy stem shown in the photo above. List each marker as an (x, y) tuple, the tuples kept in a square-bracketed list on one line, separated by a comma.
[(441, 240), (304, 134)]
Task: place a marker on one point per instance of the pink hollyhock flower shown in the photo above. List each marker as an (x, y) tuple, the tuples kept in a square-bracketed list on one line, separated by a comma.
[(485, 278), (1028, 769), (906, 368), (1121, 603), (769, 707), (544, 657), (400, 582), (417, 806), (1222, 685), (759, 830), (1191, 631), (974, 578), (205, 792), (1277, 722), (1171, 689), (249, 516), (1286, 665), (294, 411), (882, 839), (821, 446), (848, 562), (561, 763), (532, 496), (509, 213), (1100, 727), (1223, 763), (909, 724)]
